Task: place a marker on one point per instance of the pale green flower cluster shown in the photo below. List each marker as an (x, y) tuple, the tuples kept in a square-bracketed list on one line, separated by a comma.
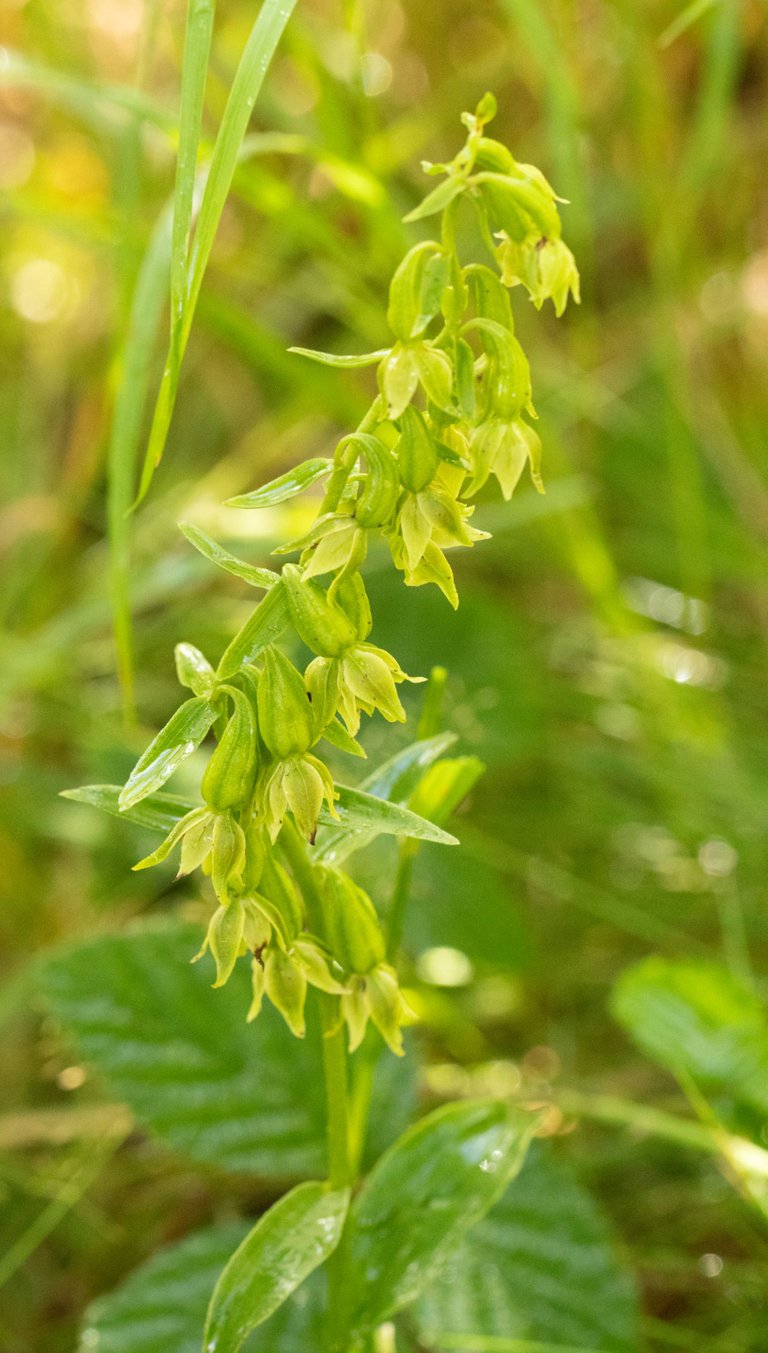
[(453, 407)]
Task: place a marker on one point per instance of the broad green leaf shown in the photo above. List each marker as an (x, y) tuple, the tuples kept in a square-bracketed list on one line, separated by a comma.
[(440, 198), (394, 780), (292, 1239), (287, 486), (263, 628), (197, 47), (421, 1198), (359, 812), (257, 577), (249, 77), (174, 743), (157, 812), (161, 1306), (346, 362), (236, 1096), (540, 1266), (697, 1019)]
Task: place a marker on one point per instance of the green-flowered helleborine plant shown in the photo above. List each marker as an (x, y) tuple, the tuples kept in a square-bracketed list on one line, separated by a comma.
[(272, 830)]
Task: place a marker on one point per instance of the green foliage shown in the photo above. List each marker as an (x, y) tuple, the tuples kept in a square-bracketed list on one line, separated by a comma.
[(288, 1243), (434, 1184), (540, 1267), (604, 661), (703, 1023)]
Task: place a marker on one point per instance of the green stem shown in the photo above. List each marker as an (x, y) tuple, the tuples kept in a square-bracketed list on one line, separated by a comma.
[(340, 1163), (400, 894)]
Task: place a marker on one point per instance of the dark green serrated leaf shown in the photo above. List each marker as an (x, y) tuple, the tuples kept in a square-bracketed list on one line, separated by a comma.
[(541, 1266), (287, 486), (232, 1095), (287, 1243), (180, 737), (422, 1197), (697, 1019), (256, 577), (263, 628), (161, 1306)]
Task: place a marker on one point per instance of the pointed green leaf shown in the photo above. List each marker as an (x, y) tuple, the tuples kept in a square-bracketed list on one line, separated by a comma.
[(422, 1197), (440, 198), (291, 1240), (540, 1267), (337, 735), (264, 627), (361, 812), (257, 577), (394, 780), (347, 362), (193, 669), (157, 812), (249, 77), (179, 739), (287, 486), (197, 46)]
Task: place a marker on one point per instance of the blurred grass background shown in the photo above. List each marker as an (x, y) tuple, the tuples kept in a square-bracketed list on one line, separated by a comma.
[(608, 658)]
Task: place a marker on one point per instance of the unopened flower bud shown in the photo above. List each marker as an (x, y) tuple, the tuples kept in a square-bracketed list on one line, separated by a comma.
[(351, 927), (416, 290), (286, 716), (353, 598), (416, 451), (322, 624), (229, 775), (381, 486)]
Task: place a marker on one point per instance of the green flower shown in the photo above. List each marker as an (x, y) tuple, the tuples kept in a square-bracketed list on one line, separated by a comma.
[(298, 785), (503, 447), (368, 677), (335, 543), (545, 267), (284, 975), (376, 996)]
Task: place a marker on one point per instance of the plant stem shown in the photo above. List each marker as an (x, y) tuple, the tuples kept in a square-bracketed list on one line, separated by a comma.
[(340, 1164)]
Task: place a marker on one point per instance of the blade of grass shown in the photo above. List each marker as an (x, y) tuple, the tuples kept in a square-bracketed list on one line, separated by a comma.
[(685, 19), (131, 378), (249, 77), (103, 107), (127, 194), (197, 48)]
